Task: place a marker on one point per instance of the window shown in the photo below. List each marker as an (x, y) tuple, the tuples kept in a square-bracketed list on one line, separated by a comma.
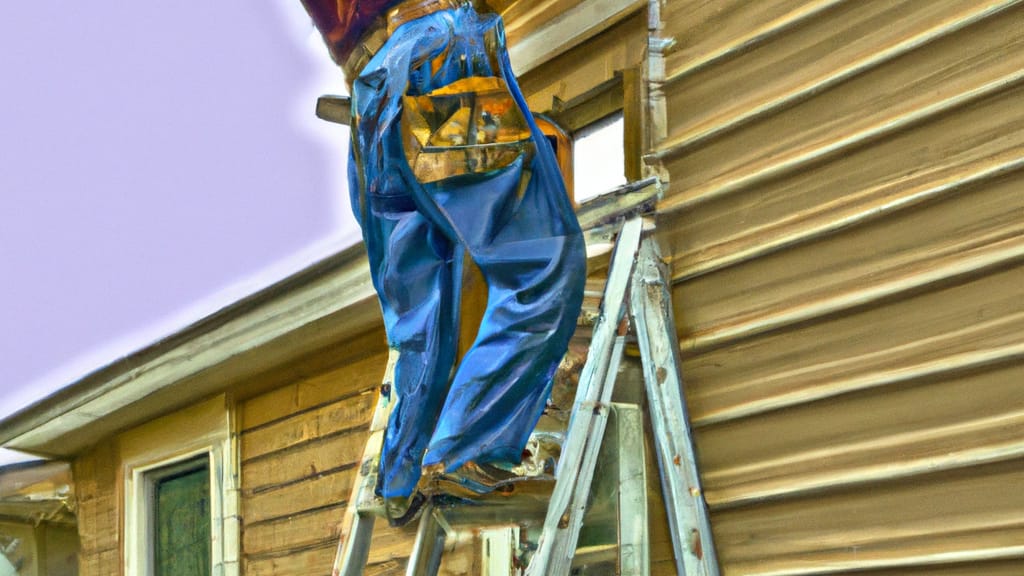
[(607, 132), (179, 530), (599, 158), (180, 494)]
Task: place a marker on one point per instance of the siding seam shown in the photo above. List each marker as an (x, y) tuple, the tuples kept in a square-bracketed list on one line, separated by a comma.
[(308, 443), (683, 142), (857, 476), (977, 262), (974, 361), (763, 34), (307, 512), (308, 409), (272, 487), (284, 552), (721, 187), (956, 557), (888, 201)]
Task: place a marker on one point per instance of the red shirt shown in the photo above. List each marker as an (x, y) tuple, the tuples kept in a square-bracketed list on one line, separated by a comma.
[(343, 22)]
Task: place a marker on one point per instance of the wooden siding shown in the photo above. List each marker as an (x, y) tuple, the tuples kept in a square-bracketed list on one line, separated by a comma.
[(104, 475), (300, 447), (845, 220), (99, 510)]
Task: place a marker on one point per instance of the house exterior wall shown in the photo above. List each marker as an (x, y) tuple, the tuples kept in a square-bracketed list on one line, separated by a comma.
[(99, 510), (844, 222), (37, 548), (300, 450), (113, 512), (297, 445), (19, 554), (60, 544)]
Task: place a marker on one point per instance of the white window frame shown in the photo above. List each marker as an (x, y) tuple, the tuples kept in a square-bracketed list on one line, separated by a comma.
[(147, 454)]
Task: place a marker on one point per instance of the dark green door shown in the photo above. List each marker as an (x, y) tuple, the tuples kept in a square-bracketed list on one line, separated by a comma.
[(182, 529)]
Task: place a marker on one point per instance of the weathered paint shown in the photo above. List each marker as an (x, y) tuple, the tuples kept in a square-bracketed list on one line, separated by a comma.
[(844, 223)]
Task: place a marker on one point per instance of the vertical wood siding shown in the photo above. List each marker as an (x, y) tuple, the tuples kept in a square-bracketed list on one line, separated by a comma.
[(845, 220), (99, 510)]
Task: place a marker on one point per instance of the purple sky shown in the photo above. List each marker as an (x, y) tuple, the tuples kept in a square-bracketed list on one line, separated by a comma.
[(158, 160)]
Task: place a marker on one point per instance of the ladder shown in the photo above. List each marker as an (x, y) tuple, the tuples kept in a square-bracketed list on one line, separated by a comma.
[(637, 283)]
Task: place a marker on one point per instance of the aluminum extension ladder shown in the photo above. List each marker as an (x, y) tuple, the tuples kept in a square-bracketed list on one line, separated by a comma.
[(637, 281)]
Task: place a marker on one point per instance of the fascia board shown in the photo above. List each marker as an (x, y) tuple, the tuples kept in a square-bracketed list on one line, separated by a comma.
[(287, 320), (568, 30)]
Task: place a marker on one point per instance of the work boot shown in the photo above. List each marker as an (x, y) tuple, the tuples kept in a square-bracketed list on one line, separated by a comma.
[(401, 510)]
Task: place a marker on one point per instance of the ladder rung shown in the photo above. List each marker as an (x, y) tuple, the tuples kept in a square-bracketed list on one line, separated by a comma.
[(599, 554)]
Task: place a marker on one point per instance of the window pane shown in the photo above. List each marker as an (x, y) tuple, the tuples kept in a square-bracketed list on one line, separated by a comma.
[(182, 527), (599, 159)]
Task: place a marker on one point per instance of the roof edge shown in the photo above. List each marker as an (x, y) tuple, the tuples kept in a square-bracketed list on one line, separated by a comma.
[(323, 289)]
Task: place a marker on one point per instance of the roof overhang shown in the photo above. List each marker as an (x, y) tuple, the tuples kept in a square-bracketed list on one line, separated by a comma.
[(531, 45), (35, 492), (323, 305)]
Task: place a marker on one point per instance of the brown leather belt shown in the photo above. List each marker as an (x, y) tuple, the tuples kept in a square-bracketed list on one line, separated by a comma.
[(384, 26)]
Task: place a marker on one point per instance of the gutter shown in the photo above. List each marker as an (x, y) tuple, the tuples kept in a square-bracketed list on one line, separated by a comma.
[(321, 305)]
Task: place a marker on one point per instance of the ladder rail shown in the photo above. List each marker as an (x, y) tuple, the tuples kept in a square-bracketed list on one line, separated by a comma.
[(356, 527), (561, 560), (633, 530), (689, 522), (638, 289), (425, 559), (594, 371)]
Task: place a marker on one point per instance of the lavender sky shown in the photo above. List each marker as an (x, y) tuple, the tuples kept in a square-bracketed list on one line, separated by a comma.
[(158, 160)]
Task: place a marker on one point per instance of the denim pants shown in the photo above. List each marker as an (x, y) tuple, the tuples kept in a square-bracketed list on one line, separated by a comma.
[(504, 204)]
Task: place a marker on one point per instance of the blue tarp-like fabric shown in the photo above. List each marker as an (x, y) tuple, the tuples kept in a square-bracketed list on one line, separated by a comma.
[(514, 221)]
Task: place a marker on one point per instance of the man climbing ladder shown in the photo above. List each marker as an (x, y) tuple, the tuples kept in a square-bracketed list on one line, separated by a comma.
[(446, 160)]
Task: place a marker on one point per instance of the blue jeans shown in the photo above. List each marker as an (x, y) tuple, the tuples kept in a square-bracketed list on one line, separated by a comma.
[(513, 218)]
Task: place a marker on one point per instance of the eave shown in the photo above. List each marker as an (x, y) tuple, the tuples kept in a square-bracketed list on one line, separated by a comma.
[(322, 305), (544, 31), (35, 492)]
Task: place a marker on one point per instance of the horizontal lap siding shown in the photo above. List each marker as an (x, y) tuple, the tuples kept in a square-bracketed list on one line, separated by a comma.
[(845, 221), (300, 448)]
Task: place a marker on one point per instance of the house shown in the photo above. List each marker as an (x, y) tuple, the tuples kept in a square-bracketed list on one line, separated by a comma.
[(37, 522), (844, 221)]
